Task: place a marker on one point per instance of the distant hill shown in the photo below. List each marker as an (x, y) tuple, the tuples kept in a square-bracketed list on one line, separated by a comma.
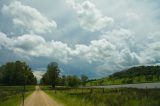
[(138, 74)]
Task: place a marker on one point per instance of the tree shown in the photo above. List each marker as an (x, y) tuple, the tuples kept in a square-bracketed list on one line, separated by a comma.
[(16, 73), (84, 79), (62, 81), (44, 79), (73, 81), (53, 73), (1, 76)]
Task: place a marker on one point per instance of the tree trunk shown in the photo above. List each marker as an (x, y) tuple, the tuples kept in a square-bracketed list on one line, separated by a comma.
[(53, 85)]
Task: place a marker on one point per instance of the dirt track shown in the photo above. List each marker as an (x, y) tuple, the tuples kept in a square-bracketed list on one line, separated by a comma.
[(40, 98)]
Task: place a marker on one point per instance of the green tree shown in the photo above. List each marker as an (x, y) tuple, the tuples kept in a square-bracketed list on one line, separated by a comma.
[(62, 80), (53, 73), (84, 79), (73, 81), (16, 73), (44, 79)]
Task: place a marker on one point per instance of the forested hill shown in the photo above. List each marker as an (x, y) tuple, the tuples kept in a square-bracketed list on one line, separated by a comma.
[(137, 71), (140, 74)]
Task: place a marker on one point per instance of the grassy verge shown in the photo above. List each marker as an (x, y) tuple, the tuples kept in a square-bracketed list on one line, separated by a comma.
[(63, 98), (68, 100), (12, 95), (14, 100), (107, 97), (118, 81)]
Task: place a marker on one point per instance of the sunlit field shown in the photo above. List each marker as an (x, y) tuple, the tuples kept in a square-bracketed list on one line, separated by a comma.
[(12, 95), (105, 97)]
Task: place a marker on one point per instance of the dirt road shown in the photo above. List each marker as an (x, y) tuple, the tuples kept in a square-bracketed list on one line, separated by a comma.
[(40, 98)]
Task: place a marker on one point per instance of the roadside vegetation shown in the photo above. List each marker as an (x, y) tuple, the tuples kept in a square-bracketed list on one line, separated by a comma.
[(16, 73), (52, 77), (12, 95), (67, 91), (104, 97), (16, 82), (140, 74)]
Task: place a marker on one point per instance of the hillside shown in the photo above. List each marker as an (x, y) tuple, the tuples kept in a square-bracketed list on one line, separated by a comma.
[(138, 74)]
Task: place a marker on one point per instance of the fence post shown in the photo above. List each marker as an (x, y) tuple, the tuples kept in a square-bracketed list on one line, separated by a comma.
[(91, 90), (55, 90), (22, 98), (146, 92), (103, 90)]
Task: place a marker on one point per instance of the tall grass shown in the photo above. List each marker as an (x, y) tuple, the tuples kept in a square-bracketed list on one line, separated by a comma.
[(107, 97), (12, 95), (113, 81)]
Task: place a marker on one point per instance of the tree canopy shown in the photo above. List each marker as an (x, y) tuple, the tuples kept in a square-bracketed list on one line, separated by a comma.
[(84, 79), (52, 75), (137, 71), (16, 73)]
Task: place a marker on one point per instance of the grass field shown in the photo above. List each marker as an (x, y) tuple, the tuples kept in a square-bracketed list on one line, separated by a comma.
[(109, 81), (106, 97), (12, 95)]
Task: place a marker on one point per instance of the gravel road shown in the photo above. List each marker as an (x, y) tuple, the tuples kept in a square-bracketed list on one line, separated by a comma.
[(40, 98)]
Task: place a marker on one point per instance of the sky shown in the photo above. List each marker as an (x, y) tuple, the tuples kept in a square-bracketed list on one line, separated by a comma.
[(92, 37)]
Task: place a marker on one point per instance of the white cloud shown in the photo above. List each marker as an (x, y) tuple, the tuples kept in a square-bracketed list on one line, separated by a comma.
[(114, 50), (122, 38), (38, 74), (34, 45), (128, 58), (28, 42), (89, 16), (125, 33), (28, 17), (4, 40), (151, 53), (132, 16), (98, 50)]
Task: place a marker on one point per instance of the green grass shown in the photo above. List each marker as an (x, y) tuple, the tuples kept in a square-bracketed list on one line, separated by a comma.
[(68, 100), (107, 97), (12, 95), (14, 100), (113, 81), (63, 98)]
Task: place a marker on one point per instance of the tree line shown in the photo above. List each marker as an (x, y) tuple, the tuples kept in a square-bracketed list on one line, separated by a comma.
[(138, 74), (19, 73), (138, 71), (16, 73), (52, 77)]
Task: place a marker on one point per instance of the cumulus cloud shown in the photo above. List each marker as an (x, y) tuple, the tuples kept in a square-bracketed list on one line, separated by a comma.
[(132, 38), (89, 16), (98, 50), (132, 51), (38, 74), (4, 40), (28, 17), (116, 51), (151, 53), (128, 58), (122, 38), (34, 45)]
